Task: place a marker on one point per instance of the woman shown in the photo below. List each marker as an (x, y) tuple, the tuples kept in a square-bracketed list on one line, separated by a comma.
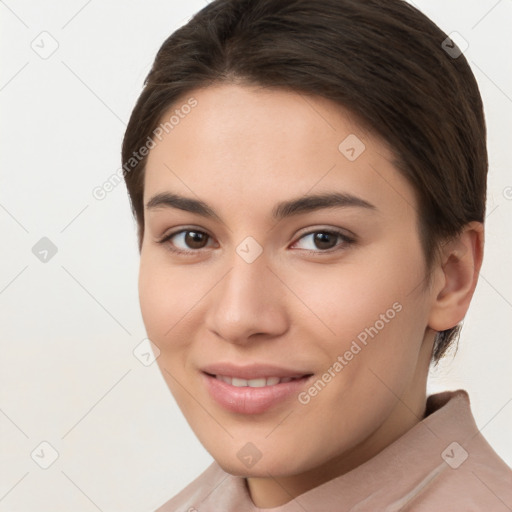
[(309, 183)]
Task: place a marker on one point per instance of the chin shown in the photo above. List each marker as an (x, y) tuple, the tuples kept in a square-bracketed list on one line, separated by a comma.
[(263, 467)]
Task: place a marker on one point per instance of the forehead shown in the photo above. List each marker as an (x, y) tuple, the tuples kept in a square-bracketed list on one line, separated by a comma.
[(242, 144)]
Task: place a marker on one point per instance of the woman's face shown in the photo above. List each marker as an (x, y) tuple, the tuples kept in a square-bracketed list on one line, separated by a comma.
[(276, 284)]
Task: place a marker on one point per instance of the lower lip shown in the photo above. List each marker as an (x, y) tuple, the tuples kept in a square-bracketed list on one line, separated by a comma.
[(247, 400)]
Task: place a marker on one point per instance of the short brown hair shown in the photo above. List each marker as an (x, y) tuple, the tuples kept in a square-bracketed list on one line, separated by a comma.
[(383, 61)]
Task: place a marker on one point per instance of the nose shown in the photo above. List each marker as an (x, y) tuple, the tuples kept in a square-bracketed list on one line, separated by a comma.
[(248, 301)]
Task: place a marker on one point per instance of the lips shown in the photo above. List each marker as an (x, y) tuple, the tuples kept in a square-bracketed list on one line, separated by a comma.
[(252, 389), (254, 371), (252, 383)]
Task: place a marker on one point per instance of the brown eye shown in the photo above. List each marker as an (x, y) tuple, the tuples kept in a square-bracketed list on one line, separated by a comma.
[(324, 240), (195, 239), (186, 241)]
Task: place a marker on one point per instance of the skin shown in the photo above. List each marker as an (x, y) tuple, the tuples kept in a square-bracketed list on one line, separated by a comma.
[(290, 307)]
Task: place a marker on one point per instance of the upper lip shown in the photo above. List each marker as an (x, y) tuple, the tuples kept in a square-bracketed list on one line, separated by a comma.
[(252, 371)]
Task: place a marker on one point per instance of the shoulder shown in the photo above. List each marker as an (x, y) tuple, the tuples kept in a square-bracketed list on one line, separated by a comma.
[(474, 479), (188, 499), (483, 475), (473, 475)]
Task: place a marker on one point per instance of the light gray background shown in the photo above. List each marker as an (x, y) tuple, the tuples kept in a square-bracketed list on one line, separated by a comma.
[(68, 374)]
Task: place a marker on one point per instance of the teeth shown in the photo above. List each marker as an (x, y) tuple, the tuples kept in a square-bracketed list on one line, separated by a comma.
[(253, 383), (238, 383), (257, 383)]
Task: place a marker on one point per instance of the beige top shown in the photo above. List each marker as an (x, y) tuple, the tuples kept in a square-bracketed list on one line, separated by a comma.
[(443, 463)]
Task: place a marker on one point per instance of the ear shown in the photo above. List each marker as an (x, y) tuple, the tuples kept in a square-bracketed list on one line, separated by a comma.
[(456, 276)]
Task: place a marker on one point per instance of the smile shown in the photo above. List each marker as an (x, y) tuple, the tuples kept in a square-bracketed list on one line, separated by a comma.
[(254, 383), (253, 396)]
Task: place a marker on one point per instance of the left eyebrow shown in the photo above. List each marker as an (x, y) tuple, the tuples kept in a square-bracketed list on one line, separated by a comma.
[(280, 211), (310, 203)]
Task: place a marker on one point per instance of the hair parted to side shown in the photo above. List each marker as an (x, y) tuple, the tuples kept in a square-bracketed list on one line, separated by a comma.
[(381, 61)]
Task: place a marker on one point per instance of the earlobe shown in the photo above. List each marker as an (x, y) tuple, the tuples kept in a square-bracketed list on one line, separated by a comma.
[(457, 277)]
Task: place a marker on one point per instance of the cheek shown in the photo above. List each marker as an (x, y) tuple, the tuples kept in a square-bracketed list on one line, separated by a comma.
[(375, 330), (166, 298), (350, 298), (373, 310)]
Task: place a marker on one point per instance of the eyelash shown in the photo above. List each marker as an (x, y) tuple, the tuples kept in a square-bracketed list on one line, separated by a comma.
[(347, 241)]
